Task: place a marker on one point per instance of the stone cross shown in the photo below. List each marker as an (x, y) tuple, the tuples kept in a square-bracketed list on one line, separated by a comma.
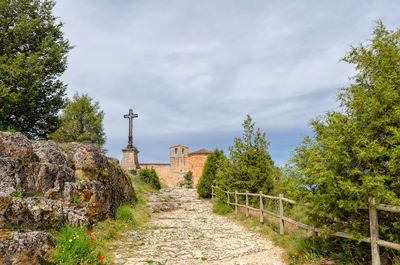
[(130, 116)]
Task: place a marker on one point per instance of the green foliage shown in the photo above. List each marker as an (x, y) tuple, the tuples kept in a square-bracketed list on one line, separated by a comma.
[(133, 171), (7, 128), (355, 153), (124, 213), (249, 166), (188, 176), (209, 173), (150, 177), (33, 55), (128, 217), (82, 121), (220, 207), (75, 199), (19, 193), (74, 246)]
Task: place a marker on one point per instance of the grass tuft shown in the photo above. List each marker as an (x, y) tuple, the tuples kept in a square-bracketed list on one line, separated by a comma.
[(124, 213), (220, 207)]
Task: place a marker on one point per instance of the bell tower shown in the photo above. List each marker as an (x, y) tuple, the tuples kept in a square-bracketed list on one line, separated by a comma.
[(178, 156)]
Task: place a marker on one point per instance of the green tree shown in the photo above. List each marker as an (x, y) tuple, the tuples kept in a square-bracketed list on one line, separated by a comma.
[(33, 55), (82, 121), (250, 166), (355, 153), (209, 173)]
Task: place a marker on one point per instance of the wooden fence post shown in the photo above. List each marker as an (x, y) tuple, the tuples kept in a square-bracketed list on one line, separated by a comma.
[(236, 203), (247, 204), (212, 192), (374, 232), (281, 223), (261, 208), (227, 192)]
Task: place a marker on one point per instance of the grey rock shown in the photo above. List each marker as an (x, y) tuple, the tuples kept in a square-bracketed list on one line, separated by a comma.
[(8, 166), (72, 186), (32, 213), (185, 183), (23, 247), (43, 178), (16, 145), (50, 152), (86, 156)]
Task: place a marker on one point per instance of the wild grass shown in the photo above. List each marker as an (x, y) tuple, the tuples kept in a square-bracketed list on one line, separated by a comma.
[(127, 217), (220, 207), (124, 213), (141, 187), (76, 245)]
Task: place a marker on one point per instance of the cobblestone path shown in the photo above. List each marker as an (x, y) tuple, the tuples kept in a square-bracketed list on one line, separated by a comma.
[(193, 234)]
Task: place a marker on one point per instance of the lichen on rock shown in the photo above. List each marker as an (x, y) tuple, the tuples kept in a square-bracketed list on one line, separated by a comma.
[(70, 184), (23, 247)]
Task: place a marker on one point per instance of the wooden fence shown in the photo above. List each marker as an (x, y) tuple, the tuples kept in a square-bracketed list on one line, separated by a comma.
[(372, 208)]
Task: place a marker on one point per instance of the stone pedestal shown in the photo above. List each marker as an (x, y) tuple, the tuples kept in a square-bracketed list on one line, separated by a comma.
[(130, 158)]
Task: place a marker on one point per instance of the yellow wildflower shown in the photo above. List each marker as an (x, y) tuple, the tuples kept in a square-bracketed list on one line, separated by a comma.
[(70, 240)]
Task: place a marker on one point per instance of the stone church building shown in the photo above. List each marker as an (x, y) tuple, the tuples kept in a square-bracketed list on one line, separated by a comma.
[(181, 161)]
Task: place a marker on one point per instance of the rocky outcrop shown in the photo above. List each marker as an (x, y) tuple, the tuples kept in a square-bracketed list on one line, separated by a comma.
[(43, 184), (23, 247), (101, 184), (74, 183), (36, 213)]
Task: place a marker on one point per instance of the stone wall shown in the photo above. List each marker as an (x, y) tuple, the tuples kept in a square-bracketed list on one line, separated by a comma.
[(181, 161), (196, 162)]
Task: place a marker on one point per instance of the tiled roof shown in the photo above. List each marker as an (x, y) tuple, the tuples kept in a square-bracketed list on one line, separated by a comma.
[(201, 152)]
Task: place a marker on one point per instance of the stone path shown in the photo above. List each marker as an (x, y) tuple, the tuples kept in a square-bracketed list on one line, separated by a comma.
[(193, 234)]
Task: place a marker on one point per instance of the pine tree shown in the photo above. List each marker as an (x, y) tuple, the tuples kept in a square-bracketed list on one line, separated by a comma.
[(33, 55), (249, 166), (355, 153), (209, 173), (82, 121)]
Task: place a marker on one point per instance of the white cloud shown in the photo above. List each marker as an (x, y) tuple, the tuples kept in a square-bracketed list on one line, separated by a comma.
[(197, 67)]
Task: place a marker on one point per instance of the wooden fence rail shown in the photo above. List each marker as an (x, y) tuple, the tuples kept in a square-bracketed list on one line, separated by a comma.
[(372, 208)]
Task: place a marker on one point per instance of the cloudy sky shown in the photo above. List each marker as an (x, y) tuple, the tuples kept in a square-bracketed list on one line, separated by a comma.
[(193, 69)]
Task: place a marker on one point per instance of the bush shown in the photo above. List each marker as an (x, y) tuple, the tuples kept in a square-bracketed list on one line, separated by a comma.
[(75, 245), (133, 171), (188, 176), (209, 172), (150, 177)]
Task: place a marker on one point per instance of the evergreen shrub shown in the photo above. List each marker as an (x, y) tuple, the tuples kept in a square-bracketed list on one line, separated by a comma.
[(150, 177)]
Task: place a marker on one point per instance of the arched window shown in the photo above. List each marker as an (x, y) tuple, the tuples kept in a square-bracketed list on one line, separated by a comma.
[(176, 152), (183, 152)]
